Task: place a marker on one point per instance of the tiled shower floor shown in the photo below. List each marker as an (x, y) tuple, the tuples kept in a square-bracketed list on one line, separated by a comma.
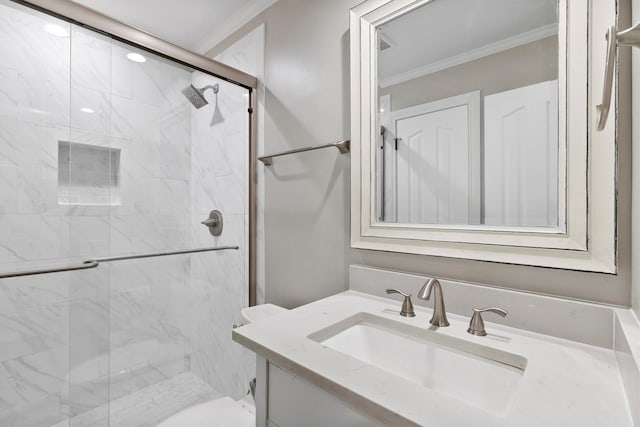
[(148, 406)]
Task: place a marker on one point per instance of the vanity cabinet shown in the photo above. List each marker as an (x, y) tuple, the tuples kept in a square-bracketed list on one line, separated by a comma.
[(293, 402)]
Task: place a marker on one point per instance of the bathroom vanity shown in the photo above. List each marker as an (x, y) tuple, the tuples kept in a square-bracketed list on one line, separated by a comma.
[(511, 162), (351, 359)]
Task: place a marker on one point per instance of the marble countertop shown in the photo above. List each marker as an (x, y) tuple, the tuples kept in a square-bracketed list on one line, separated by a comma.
[(564, 384)]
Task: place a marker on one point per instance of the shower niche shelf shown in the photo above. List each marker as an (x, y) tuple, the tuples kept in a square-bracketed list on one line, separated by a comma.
[(88, 174)]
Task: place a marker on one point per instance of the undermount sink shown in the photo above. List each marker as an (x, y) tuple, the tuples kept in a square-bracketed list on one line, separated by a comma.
[(473, 373)]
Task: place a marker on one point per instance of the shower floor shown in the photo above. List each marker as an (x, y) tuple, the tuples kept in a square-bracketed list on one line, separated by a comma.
[(149, 406)]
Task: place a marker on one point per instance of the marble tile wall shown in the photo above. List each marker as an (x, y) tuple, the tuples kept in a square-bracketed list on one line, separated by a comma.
[(71, 342), (247, 54), (219, 280)]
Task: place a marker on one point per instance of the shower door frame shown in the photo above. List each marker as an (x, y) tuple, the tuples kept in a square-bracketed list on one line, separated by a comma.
[(93, 20)]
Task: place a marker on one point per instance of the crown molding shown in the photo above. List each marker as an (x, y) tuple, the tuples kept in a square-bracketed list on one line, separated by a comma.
[(490, 49), (234, 23)]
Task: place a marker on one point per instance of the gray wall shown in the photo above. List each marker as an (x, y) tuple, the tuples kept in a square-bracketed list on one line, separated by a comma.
[(307, 195), (307, 103)]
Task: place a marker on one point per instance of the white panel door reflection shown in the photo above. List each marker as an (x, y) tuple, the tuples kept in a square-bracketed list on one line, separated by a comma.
[(521, 156), (437, 163)]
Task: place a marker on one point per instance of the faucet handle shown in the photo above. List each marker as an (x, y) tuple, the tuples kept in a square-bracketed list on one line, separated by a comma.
[(476, 325), (407, 305)]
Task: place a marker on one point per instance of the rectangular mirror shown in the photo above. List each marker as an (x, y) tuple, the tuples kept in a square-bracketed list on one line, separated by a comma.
[(471, 129), (469, 126)]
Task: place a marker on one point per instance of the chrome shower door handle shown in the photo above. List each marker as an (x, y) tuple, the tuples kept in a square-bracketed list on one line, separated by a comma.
[(476, 325), (407, 305)]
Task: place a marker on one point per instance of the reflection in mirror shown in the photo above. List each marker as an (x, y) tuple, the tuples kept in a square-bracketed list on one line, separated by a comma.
[(468, 115)]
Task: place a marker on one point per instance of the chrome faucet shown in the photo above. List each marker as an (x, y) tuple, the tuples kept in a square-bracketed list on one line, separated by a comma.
[(439, 317)]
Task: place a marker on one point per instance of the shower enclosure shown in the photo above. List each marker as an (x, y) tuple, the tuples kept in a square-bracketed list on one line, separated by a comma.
[(102, 157)]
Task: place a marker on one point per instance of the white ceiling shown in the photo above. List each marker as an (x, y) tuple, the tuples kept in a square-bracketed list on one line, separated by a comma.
[(443, 29), (197, 25)]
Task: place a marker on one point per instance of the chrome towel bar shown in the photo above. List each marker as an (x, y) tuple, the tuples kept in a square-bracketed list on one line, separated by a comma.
[(342, 146), (93, 263), (628, 37)]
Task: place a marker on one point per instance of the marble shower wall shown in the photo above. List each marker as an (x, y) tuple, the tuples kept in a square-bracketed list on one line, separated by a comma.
[(71, 342), (247, 54), (219, 281)]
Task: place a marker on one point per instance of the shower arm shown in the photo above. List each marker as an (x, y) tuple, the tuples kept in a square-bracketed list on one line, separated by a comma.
[(215, 88)]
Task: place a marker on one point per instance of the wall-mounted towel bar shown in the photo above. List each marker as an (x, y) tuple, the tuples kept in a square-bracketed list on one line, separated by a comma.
[(93, 263), (628, 37), (342, 146)]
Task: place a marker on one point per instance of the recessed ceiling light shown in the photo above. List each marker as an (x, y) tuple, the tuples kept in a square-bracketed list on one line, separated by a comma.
[(56, 30), (136, 57), (87, 110)]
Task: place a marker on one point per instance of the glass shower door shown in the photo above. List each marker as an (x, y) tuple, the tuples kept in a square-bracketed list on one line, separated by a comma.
[(54, 212), (102, 156), (88, 189)]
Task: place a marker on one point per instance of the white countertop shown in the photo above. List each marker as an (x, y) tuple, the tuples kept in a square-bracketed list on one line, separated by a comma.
[(564, 384)]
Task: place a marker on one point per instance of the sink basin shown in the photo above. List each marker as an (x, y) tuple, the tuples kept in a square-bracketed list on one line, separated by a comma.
[(473, 373)]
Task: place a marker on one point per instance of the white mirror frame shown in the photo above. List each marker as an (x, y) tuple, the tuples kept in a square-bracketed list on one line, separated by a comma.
[(586, 163)]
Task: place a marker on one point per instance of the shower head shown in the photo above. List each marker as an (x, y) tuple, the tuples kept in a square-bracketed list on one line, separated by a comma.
[(196, 96)]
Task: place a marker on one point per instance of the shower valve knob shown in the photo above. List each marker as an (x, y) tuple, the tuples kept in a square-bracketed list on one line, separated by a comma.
[(214, 222)]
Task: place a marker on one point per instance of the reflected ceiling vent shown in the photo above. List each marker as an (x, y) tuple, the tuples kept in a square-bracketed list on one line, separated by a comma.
[(384, 42)]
